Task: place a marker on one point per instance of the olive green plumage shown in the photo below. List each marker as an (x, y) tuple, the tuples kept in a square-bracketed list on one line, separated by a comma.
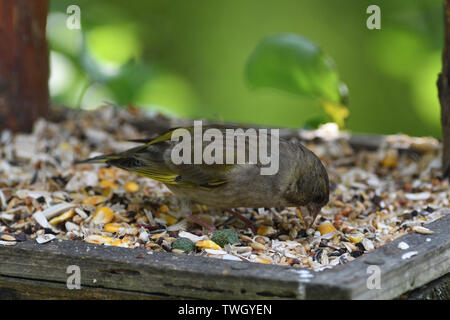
[(301, 180)]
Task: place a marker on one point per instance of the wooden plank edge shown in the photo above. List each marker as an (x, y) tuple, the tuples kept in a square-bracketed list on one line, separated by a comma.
[(397, 275), (184, 276)]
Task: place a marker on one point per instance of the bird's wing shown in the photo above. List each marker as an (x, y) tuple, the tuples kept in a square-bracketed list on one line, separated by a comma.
[(145, 161), (153, 159), (215, 174)]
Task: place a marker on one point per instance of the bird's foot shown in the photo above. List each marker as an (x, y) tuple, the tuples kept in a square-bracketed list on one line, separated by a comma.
[(248, 223)]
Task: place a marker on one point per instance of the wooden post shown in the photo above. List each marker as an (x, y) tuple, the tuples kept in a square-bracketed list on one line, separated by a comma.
[(24, 67), (444, 92)]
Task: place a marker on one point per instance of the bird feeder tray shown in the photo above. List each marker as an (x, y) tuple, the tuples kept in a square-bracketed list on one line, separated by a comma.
[(366, 246)]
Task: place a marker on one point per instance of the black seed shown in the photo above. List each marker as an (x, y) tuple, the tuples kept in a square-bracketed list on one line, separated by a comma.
[(14, 163), (360, 246), (20, 237), (356, 254), (318, 255), (132, 214), (376, 199), (323, 243), (429, 209), (35, 177), (336, 253), (40, 199), (173, 234), (28, 230), (60, 180), (50, 231)]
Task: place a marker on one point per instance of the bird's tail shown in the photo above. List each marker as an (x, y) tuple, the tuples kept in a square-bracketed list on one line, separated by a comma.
[(100, 159)]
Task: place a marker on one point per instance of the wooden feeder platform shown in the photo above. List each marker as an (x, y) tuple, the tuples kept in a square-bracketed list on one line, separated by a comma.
[(29, 270), (32, 270)]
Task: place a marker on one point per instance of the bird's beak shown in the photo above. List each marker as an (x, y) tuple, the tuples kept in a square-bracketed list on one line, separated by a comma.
[(310, 213)]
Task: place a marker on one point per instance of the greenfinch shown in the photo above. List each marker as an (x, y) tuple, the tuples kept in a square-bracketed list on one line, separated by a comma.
[(301, 179)]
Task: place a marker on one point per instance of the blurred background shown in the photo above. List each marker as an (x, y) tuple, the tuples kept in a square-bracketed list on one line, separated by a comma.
[(187, 58)]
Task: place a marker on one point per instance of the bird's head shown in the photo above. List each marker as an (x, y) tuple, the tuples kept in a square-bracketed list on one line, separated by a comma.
[(310, 187)]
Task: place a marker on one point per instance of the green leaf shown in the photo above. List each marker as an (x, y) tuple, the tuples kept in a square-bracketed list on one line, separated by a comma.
[(295, 64), (314, 122)]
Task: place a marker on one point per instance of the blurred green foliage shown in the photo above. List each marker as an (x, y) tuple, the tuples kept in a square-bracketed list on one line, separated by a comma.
[(292, 63), (188, 58)]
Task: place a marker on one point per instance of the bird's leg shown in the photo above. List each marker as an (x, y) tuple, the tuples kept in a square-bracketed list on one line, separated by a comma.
[(185, 210), (248, 223)]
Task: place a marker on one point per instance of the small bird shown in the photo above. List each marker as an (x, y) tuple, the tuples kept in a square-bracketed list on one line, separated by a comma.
[(301, 179)]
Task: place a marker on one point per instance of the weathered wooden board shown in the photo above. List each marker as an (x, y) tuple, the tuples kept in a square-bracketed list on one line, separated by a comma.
[(30, 270), (438, 289)]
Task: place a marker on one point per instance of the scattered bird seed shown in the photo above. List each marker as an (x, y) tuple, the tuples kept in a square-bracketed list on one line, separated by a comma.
[(377, 196), (403, 245), (409, 254)]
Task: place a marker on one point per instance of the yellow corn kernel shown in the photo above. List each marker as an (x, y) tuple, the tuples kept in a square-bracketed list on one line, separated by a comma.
[(326, 227), (94, 200), (169, 219), (156, 236), (112, 227), (107, 241), (163, 209), (354, 238), (119, 242), (107, 184), (103, 215), (390, 159), (265, 231), (262, 260), (208, 244), (257, 246), (106, 173), (107, 192), (131, 186), (65, 146), (98, 239), (63, 217)]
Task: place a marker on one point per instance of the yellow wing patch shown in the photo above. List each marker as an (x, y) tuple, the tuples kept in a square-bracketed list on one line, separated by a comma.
[(155, 174), (168, 135)]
